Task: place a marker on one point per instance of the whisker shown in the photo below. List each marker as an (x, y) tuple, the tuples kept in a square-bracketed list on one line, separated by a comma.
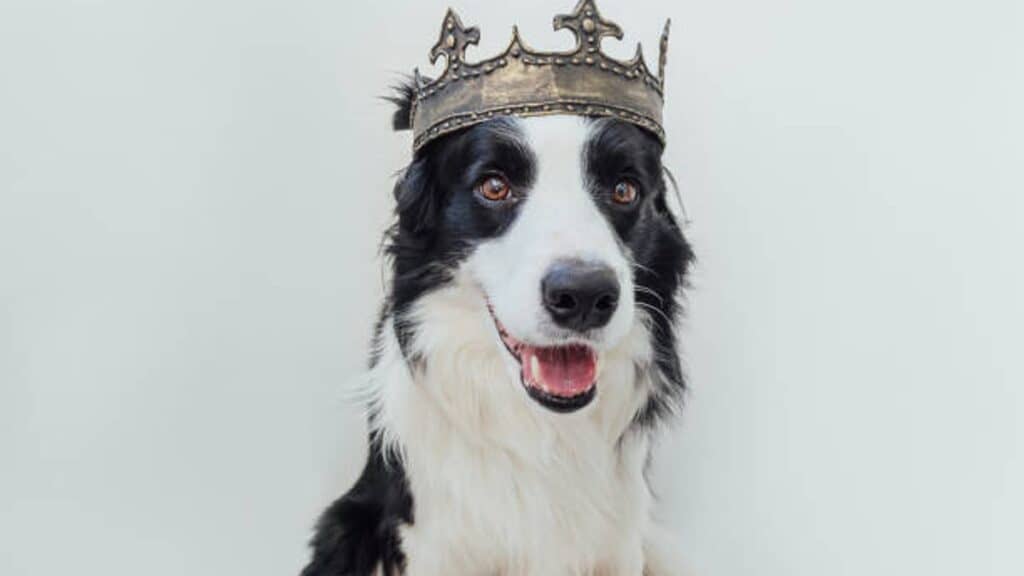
[(650, 308), (679, 196), (640, 266), (647, 290)]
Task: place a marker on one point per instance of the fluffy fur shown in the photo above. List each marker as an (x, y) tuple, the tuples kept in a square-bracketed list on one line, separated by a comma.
[(467, 474)]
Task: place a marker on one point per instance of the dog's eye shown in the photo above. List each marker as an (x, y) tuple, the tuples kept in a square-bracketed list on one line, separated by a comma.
[(625, 192), (494, 188)]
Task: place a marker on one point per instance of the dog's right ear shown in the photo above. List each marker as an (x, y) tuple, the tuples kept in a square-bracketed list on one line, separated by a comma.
[(416, 203), (402, 96)]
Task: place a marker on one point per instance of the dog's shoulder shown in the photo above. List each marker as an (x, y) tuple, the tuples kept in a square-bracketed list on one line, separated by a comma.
[(358, 534)]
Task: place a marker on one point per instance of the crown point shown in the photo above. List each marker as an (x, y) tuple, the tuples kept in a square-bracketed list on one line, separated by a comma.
[(663, 52), (515, 46), (587, 25), (638, 58), (453, 40)]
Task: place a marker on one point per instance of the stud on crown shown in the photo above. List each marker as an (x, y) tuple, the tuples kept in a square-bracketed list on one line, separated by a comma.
[(524, 82)]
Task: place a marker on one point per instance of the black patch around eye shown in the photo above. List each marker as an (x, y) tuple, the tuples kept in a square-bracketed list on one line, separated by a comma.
[(616, 151), (494, 147), (439, 216)]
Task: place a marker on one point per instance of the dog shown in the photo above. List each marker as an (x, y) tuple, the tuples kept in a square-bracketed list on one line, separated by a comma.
[(524, 359)]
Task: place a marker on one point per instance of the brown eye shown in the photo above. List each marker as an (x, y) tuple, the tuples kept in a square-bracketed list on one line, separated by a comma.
[(494, 188), (625, 192)]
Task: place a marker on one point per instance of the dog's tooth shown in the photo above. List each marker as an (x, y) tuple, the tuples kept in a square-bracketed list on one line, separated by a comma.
[(535, 368)]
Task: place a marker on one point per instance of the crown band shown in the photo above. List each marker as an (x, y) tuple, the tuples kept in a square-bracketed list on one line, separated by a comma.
[(524, 82)]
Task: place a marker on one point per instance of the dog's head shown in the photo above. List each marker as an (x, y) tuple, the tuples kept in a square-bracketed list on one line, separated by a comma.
[(561, 226)]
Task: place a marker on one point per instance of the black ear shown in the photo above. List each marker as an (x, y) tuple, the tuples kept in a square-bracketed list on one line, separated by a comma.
[(417, 204), (402, 95)]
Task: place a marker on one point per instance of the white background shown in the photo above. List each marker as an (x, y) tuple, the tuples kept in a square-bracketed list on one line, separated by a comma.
[(191, 198)]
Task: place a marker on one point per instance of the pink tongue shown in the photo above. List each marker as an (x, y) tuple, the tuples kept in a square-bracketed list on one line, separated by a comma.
[(565, 371)]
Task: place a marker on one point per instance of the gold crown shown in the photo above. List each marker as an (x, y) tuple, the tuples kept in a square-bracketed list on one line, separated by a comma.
[(524, 82)]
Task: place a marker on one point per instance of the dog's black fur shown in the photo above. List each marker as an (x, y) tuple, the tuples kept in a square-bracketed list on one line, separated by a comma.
[(435, 228)]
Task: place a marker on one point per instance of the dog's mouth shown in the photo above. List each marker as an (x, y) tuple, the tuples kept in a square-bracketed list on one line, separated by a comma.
[(561, 378)]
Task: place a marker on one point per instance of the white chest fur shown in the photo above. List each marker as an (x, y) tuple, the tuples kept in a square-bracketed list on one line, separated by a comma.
[(500, 484), (481, 510)]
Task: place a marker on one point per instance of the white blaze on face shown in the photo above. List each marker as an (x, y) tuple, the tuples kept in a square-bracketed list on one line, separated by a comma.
[(559, 220)]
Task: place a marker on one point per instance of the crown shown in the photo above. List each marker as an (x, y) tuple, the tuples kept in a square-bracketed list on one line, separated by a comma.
[(524, 82)]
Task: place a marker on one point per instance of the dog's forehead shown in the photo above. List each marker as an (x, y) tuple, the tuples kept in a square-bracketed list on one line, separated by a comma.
[(557, 142), (555, 133)]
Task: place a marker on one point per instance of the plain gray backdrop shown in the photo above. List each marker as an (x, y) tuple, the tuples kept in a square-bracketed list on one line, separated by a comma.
[(191, 200)]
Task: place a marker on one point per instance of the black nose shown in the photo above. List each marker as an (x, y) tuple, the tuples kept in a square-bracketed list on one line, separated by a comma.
[(580, 295)]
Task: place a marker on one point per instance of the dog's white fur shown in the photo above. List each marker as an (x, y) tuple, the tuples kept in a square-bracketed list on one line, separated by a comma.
[(502, 485)]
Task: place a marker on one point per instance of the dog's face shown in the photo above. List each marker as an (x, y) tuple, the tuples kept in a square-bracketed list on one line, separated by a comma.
[(561, 224)]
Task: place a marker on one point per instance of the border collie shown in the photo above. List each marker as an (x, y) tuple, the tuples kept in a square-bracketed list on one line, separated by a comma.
[(524, 358)]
